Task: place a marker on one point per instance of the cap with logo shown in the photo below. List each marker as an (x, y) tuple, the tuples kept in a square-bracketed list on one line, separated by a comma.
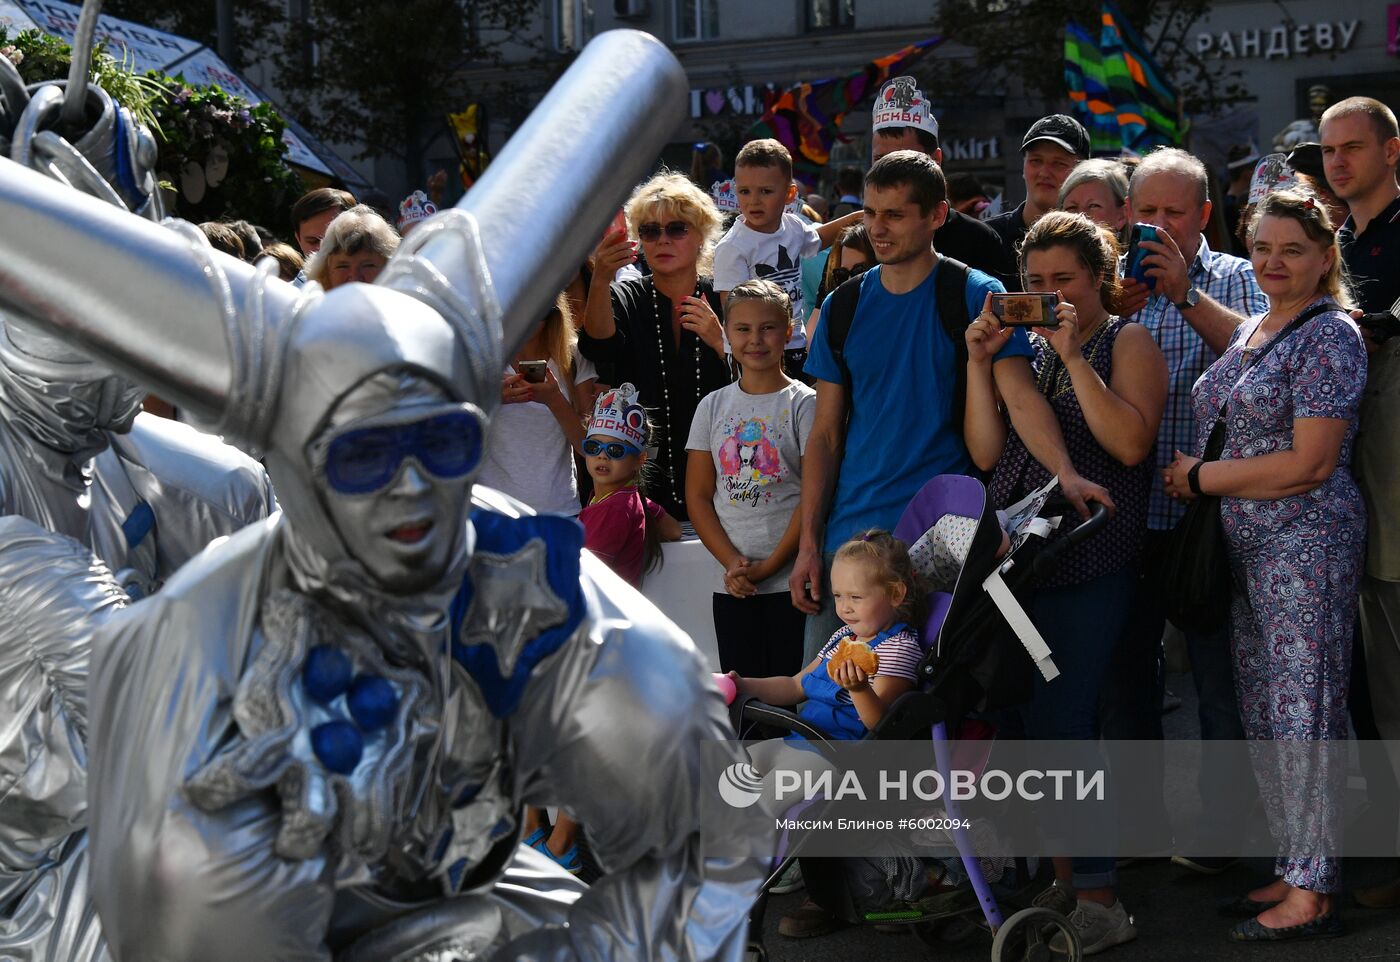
[(900, 103), (1059, 129)]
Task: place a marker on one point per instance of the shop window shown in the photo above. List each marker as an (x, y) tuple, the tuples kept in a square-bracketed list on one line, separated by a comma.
[(696, 19), (830, 14)]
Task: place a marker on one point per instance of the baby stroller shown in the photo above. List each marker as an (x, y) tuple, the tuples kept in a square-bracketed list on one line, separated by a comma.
[(980, 649)]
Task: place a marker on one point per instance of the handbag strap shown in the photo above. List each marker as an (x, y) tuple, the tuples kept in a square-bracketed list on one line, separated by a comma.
[(1216, 442)]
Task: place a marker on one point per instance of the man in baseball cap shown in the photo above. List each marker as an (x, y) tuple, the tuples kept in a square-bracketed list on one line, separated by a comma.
[(1050, 150)]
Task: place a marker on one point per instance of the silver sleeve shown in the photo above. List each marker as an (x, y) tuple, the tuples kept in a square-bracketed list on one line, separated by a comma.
[(53, 596), (170, 881), (611, 729)]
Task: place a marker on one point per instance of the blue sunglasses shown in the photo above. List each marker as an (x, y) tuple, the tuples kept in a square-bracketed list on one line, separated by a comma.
[(446, 445), (612, 450)]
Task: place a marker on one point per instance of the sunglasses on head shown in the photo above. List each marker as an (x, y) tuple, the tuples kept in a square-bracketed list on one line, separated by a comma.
[(612, 450), (675, 230), (840, 275), (446, 444)]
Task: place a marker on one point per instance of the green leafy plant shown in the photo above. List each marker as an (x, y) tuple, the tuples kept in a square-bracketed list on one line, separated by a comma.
[(218, 155)]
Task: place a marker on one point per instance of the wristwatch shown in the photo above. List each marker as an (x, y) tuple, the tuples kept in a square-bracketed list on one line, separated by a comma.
[(1192, 298)]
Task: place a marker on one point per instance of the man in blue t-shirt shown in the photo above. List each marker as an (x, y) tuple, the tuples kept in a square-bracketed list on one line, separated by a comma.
[(860, 473)]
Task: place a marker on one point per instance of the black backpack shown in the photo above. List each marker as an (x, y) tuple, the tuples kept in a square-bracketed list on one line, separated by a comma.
[(950, 297)]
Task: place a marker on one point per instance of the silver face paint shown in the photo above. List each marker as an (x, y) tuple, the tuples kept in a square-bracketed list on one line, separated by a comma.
[(404, 534)]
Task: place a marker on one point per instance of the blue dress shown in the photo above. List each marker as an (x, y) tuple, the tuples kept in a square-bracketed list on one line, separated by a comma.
[(1296, 562)]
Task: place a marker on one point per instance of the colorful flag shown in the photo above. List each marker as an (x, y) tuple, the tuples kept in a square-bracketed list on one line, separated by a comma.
[(469, 135), (1087, 81), (1117, 89), (807, 118)]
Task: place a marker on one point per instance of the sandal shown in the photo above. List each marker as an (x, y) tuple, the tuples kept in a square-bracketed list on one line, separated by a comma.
[(536, 839), (570, 861)]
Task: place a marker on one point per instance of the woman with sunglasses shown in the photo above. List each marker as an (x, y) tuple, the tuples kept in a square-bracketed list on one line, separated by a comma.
[(851, 256), (661, 332)]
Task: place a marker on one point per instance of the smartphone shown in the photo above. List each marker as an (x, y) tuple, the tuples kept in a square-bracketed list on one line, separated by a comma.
[(533, 371), (619, 223), (1134, 267), (1026, 310)]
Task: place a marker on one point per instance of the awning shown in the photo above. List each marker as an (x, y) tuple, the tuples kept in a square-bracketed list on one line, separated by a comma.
[(149, 49)]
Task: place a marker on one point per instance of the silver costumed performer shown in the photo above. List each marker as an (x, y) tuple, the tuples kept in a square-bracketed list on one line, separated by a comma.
[(315, 742), (81, 473)]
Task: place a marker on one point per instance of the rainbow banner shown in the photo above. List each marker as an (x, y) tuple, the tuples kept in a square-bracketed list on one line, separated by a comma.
[(807, 118), (1117, 89)]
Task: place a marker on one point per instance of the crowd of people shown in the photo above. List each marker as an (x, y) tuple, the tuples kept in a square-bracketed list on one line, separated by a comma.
[(805, 376), (785, 383)]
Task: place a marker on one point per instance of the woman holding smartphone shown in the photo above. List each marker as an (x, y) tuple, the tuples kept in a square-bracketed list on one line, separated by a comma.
[(1106, 381), (544, 395), (661, 332)]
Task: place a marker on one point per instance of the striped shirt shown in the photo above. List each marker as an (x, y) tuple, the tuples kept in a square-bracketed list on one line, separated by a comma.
[(899, 656), (1230, 281)]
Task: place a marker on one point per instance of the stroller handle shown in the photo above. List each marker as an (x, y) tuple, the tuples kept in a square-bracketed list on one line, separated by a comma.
[(1047, 558), (1098, 517)]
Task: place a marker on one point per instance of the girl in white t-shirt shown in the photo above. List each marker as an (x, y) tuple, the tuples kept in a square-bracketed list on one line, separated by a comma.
[(530, 450), (743, 484)]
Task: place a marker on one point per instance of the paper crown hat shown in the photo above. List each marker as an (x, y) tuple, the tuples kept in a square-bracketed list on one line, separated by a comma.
[(617, 414), (1270, 174), (415, 207), (900, 103)]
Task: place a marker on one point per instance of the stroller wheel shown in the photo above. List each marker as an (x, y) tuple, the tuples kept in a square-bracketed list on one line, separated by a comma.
[(1025, 937)]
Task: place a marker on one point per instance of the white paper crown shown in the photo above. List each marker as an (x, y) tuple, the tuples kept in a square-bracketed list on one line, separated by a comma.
[(1270, 174), (415, 207), (900, 103), (726, 198), (616, 414)]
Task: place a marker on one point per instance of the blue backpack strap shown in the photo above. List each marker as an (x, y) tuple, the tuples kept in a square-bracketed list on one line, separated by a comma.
[(502, 535)]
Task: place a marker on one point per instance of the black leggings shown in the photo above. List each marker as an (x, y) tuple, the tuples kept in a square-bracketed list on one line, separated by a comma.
[(759, 636)]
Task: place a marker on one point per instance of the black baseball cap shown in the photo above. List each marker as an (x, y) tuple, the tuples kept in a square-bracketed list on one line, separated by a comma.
[(1060, 129)]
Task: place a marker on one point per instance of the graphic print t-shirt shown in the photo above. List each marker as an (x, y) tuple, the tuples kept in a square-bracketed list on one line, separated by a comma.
[(756, 441), (744, 254)]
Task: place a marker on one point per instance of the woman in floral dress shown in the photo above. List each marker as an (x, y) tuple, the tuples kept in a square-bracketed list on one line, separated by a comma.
[(1295, 527)]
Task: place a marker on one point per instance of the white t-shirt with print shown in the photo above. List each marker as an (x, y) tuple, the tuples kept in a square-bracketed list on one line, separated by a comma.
[(527, 455), (757, 442), (743, 254)]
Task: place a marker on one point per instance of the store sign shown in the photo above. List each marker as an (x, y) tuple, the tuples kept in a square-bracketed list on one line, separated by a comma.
[(1284, 41), (972, 148), (748, 101)]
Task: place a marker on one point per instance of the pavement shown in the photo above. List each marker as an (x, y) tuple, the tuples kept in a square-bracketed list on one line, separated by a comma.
[(1173, 908)]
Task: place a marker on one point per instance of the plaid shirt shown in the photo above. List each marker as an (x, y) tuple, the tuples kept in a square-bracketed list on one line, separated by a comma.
[(1229, 280)]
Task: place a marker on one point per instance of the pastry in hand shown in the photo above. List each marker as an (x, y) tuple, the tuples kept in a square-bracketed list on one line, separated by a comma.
[(858, 651)]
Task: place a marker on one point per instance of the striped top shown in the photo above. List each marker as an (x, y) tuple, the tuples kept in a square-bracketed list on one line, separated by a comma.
[(899, 655)]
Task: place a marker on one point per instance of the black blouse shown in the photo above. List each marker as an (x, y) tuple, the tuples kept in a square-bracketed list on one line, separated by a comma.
[(638, 352)]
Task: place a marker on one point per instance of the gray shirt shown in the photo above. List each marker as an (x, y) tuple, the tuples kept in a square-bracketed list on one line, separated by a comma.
[(756, 441)]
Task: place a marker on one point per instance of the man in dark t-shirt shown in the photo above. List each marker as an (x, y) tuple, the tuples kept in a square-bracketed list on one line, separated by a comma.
[(1051, 148), (1360, 153)]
